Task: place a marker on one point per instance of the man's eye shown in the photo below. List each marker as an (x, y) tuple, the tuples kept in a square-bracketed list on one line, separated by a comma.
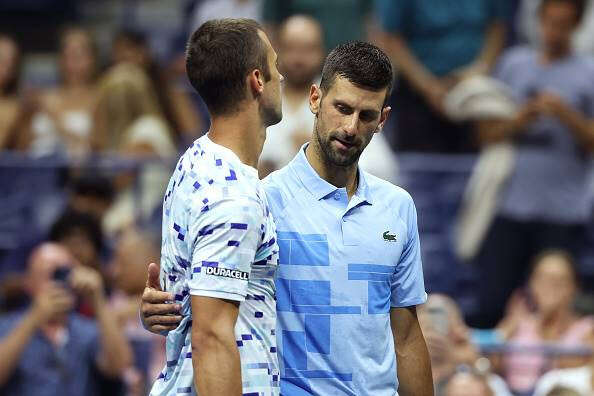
[(342, 109)]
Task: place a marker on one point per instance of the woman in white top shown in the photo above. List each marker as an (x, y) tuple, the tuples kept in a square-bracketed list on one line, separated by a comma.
[(63, 122)]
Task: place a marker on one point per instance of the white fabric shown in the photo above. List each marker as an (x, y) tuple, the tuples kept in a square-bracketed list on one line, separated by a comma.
[(481, 198), (577, 379), (479, 97)]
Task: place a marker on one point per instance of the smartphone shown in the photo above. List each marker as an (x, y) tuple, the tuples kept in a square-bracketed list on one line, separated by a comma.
[(61, 274)]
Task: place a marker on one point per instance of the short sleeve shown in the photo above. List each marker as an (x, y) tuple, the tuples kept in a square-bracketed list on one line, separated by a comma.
[(392, 14), (225, 240), (408, 285)]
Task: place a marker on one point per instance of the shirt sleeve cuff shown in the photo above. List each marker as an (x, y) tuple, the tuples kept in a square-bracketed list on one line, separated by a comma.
[(409, 302), (217, 294)]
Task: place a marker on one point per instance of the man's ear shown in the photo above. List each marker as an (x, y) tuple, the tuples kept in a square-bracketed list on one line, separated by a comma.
[(255, 82), (383, 118), (315, 99)]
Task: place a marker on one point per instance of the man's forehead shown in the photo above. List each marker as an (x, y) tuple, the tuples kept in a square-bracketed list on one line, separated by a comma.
[(344, 90)]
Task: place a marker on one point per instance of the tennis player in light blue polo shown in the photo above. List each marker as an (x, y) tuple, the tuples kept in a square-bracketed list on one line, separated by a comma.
[(350, 273), (344, 263)]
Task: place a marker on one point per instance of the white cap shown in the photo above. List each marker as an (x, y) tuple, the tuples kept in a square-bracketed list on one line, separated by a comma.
[(479, 98)]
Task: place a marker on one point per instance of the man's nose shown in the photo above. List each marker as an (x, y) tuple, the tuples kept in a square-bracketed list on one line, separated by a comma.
[(351, 124)]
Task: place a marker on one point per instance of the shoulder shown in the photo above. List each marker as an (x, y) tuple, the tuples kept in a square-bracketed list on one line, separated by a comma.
[(391, 194), (516, 56), (279, 188)]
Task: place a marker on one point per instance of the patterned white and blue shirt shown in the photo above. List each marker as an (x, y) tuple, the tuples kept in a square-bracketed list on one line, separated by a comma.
[(219, 240)]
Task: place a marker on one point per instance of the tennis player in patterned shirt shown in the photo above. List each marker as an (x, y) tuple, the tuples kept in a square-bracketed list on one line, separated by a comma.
[(219, 252)]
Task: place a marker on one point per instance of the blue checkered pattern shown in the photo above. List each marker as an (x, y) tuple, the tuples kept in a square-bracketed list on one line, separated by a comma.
[(344, 263), (216, 218)]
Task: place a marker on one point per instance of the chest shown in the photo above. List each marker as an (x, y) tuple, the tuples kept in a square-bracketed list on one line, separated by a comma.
[(57, 370), (567, 80), (331, 259)]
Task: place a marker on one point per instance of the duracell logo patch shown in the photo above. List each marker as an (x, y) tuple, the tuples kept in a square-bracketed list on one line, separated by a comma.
[(227, 273)]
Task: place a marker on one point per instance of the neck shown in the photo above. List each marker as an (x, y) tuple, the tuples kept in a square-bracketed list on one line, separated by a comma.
[(554, 323), (552, 55), (339, 176), (243, 133)]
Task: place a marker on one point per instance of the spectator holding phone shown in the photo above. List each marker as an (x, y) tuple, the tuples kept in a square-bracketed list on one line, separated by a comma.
[(48, 349), (543, 317), (545, 202)]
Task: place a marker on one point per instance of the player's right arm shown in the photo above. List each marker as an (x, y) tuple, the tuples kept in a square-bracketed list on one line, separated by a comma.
[(217, 367), (225, 239)]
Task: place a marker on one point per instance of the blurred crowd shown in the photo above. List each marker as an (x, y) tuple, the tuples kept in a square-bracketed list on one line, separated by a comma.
[(93, 115)]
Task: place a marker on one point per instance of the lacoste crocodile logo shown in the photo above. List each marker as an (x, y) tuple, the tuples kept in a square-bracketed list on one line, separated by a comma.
[(389, 237)]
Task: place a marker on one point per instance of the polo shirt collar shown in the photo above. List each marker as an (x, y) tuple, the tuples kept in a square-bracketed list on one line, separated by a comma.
[(319, 187)]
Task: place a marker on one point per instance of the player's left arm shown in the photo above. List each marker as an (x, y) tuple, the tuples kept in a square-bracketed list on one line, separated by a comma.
[(414, 364), (408, 291)]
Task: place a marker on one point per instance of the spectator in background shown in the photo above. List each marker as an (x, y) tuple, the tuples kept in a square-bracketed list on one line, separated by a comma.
[(129, 122), (435, 44), (341, 20), (301, 54), (528, 26), (545, 315), (174, 104), (545, 201), (63, 121), (449, 344), (49, 350), (129, 267), (10, 107)]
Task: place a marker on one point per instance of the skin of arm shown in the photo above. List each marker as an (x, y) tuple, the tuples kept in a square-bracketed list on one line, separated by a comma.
[(215, 357), (414, 364), (494, 42), (11, 347)]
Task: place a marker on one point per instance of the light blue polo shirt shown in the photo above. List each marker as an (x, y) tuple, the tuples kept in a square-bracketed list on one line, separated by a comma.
[(342, 266)]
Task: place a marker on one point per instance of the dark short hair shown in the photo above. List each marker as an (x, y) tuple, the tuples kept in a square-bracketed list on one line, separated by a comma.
[(363, 64), (72, 222), (219, 56), (579, 5)]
